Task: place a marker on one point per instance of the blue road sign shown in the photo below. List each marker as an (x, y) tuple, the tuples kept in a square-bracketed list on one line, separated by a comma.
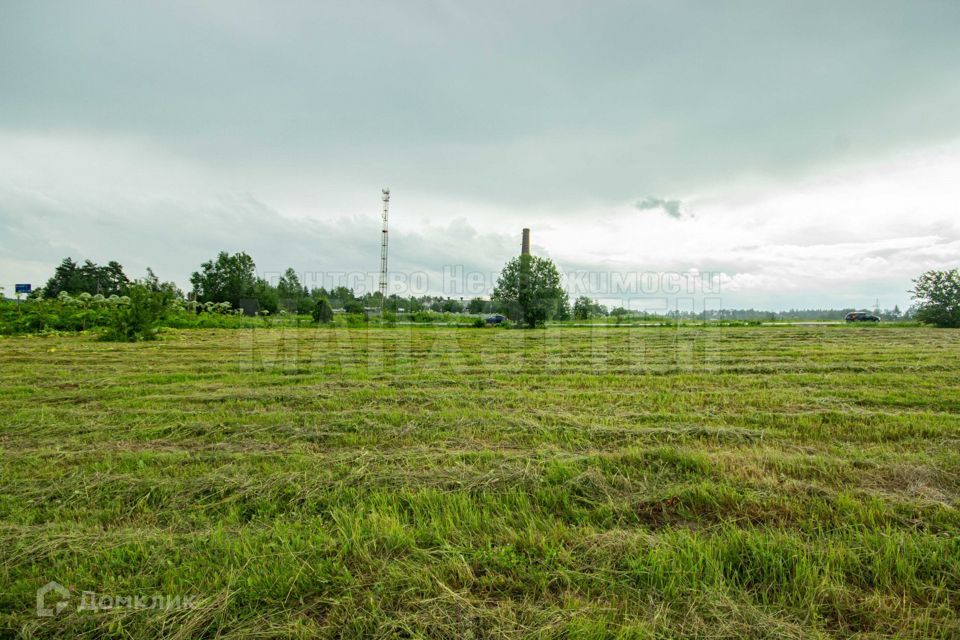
[(23, 288)]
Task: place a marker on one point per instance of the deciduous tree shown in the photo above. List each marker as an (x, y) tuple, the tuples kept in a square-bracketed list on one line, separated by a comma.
[(938, 298), (528, 290)]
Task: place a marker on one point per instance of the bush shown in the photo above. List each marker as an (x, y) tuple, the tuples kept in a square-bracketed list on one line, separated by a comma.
[(138, 317), (322, 311), (354, 307), (356, 319), (63, 313)]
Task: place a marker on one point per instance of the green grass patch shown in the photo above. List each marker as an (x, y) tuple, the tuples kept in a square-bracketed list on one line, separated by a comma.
[(645, 482)]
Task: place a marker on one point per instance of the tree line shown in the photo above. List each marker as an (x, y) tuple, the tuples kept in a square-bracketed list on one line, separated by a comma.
[(232, 279), (528, 292)]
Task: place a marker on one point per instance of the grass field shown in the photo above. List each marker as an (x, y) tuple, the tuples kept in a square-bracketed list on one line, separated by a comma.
[(740, 482)]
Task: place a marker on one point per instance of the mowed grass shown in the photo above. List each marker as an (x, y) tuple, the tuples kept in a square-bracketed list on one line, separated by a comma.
[(772, 482)]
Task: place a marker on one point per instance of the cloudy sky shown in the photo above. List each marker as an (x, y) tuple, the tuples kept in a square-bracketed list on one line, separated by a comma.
[(807, 153)]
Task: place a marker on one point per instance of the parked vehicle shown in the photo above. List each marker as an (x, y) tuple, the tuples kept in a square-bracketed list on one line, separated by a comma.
[(861, 316), (496, 319)]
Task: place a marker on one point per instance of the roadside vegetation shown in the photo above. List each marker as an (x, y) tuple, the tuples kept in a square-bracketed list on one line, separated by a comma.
[(228, 294)]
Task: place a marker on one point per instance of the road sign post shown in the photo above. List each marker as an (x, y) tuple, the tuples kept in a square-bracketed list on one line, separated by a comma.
[(19, 289)]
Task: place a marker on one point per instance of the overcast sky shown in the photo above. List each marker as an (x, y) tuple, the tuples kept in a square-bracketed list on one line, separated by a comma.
[(806, 152)]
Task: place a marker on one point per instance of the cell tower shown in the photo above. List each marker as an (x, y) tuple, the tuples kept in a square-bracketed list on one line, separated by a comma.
[(383, 251)]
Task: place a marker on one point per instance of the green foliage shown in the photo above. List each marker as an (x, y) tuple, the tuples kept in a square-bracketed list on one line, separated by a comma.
[(423, 317), (938, 298), (91, 278), (267, 297), (446, 305), (395, 303), (356, 319), (150, 304), (293, 296), (139, 315), (478, 305), (322, 311), (528, 290), (341, 296), (354, 307), (228, 278), (152, 282), (64, 313), (584, 308)]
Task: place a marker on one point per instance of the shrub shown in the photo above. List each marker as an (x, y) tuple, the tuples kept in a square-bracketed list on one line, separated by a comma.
[(354, 307), (322, 311), (356, 319), (137, 316)]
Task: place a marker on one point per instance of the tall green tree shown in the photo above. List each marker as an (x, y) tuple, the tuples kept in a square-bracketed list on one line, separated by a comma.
[(73, 278), (110, 279), (581, 308), (268, 299), (394, 303), (293, 295), (938, 298), (227, 278), (152, 282), (584, 308), (341, 296), (528, 290)]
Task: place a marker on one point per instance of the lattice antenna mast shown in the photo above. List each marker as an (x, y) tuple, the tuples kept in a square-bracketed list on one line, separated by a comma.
[(383, 250)]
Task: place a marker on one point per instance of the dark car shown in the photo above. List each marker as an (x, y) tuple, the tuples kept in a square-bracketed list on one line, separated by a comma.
[(495, 319), (861, 316)]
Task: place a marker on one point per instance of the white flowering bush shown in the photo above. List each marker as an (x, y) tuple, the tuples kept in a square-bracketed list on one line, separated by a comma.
[(134, 316)]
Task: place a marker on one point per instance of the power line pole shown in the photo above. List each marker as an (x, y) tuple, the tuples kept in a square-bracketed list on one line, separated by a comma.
[(383, 251)]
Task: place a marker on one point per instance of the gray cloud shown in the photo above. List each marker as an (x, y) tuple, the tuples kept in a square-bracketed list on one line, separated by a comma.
[(670, 207), (555, 106), (173, 237), (482, 117)]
